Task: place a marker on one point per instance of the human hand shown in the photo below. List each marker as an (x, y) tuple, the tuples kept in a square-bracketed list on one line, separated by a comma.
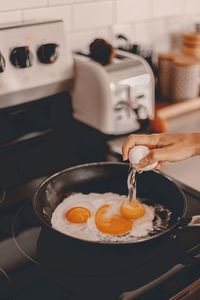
[(164, 147)]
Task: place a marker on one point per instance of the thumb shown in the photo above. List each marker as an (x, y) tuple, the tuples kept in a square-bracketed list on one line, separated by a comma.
[(153, 156)]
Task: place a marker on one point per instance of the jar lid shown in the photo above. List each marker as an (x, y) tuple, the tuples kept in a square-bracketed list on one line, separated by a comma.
[(185, 61), (193, 52), (191, 38)]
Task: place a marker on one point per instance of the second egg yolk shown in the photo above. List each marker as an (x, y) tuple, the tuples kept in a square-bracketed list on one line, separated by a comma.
[(132, 210), (77, 215), (114, 225)]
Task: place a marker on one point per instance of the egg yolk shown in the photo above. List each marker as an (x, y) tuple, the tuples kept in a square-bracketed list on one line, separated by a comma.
[(114, 225), (132, 210), (77, 215)]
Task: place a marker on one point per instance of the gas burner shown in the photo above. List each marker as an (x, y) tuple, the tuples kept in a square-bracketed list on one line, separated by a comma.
[(6, 285), (25, 255), (25, 231), (160, 257), (2, 195)]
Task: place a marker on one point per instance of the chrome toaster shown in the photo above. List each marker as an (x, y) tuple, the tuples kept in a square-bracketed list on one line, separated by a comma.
[(109, 98)]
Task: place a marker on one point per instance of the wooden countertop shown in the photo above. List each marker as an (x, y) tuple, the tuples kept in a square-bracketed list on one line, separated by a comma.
[(167, 110)]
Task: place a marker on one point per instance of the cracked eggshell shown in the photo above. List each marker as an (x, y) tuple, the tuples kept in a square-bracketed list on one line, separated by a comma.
[(137, 153)]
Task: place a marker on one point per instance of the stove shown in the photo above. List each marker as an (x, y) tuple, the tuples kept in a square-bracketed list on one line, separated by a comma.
[(39, 137), (160, 271), (35, 61)]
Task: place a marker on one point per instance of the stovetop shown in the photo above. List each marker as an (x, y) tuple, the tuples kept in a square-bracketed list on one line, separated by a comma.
[(23, 277)]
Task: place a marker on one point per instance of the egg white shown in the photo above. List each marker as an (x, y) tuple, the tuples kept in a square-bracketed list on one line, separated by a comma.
[(88, 230)]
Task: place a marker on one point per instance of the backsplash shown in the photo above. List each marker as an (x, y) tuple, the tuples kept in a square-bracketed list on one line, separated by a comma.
[(152, 23)]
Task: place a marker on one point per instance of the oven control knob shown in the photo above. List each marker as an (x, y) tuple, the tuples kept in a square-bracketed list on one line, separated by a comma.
[(2, 63), (21, 57), (47, 53)]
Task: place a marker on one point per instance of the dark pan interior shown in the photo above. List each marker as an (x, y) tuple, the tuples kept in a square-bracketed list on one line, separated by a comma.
[(107, 177)]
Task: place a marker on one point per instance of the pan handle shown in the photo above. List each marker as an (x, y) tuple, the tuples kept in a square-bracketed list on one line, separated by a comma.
[(195, 221), (189, 223)]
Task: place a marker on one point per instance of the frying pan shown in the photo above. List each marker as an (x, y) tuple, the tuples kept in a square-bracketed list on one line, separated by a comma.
[(95, 267), (109, 177)]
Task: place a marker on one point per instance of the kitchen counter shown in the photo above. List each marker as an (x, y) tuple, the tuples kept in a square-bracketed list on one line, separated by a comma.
[(187, 171)]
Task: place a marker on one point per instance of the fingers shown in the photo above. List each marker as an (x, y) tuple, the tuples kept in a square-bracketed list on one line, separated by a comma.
[(163, 147), (135, 140), (169, 153), (151, 157), (159, 165)]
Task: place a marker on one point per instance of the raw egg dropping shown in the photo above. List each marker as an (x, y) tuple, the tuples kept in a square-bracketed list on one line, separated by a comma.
[(111, 224), (132, 210), (78, 215)]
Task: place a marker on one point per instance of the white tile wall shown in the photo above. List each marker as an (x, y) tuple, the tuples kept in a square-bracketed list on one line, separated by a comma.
[(10, 17), (78, 40), (19, 4), (57, 2), (133, 10), (160, 35), (58, 12), (176, 26), (144, 33), (143, 21), (192, 6), (127, 30), (92, 15), (163, 8)]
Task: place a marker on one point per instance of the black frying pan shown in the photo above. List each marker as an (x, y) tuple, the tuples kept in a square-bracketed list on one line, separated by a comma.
[(91, 267), (76, 256), (109, 177)]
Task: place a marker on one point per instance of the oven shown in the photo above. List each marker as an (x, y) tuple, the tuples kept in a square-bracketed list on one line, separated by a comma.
[(39, 137), (36, 75)]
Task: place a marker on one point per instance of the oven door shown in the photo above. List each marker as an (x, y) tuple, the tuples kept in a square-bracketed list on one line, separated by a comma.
[(35, 139)]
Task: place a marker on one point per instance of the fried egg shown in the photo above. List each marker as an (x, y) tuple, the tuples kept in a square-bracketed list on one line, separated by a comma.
[(113, 224), (97, 217), (132, 210), (77, 215)]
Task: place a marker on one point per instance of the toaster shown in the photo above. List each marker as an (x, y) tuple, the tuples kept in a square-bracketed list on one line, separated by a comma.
[(113, 98)]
